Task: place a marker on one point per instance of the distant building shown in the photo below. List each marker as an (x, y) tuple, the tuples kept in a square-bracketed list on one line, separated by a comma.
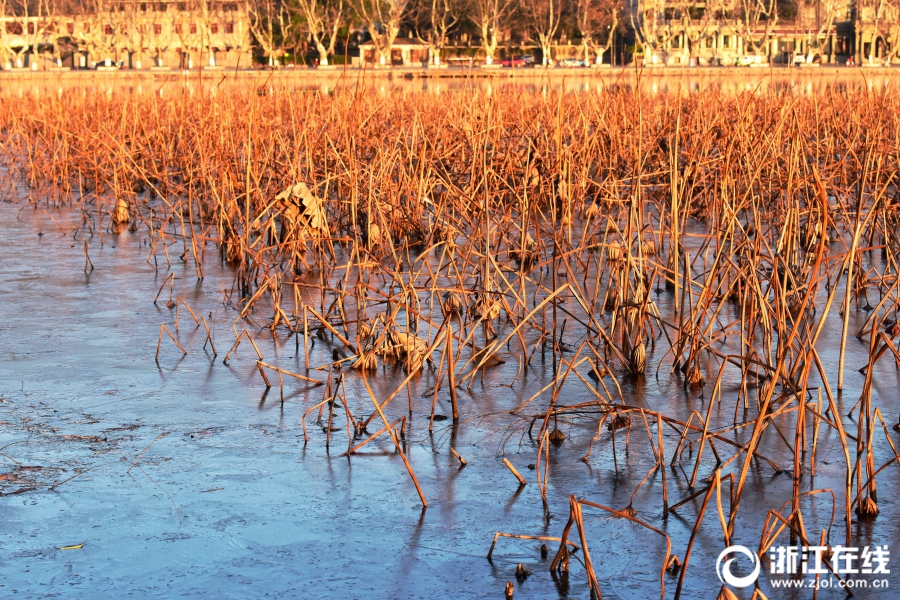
[(133, 34), (729, 32), (405, 52), (877, 31)]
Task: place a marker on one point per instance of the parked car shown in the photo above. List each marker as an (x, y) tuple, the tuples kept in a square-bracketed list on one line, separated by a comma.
[(802, 59), (571, 63), (514, 62)]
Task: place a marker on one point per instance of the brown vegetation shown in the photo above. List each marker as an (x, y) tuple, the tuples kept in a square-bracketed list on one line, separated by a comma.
[(619, 233)]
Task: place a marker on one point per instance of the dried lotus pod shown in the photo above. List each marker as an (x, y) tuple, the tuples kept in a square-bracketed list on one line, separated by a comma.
[(867, 509), (303, 211), (374, 234), (631, 316), (614, 251), (594, 210), (557, 437), (694, 376), (861, 280), (121, 214), (365, 331), (485, 307), (638, 358), (410, 349), (451, 304), (598, 372), (619, 422)]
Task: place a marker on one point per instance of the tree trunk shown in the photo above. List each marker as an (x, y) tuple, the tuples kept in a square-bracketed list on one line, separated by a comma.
[(546, 48), (323, 53), (488, 43)]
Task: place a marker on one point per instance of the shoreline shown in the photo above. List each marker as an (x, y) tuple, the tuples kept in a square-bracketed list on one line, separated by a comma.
[(452, 73)]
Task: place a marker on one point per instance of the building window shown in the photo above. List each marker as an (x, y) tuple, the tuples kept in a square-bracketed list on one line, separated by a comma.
[(177, 28), (214, 28), (31, 28), (726, 41), (14, 28), (107, 30), (181, 6), (157, 29), (143, 7), (70, 28), (229, 27), (193, 28)]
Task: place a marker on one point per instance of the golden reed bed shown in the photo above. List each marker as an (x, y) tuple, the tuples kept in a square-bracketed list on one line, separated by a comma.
[(622, 232)]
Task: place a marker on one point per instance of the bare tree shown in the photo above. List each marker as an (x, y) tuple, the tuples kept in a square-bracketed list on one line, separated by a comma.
[(29, 23), (87, 35), (202, 15), (695, 22), (437, 18), (270, 23), (543, 17), (490, 16), (185, 40), (816, 18), (649, 26), (597, 21), (161, 37), (7, 34), (382, 20), (755, 23), (323, 21), (880, 19), (53, 34), (137, 37), (117, 43)]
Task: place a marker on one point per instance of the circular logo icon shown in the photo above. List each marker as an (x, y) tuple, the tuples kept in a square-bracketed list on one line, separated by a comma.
[(724, 570)]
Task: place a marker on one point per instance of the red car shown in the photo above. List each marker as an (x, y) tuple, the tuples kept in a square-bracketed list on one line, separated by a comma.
[(515, 62)]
